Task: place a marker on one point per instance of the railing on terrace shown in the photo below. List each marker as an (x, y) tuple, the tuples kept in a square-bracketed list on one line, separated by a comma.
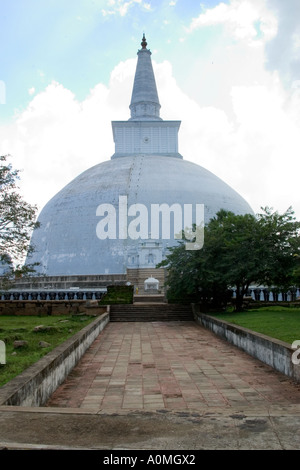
[(54, 295), (261, 294), (256, 293)]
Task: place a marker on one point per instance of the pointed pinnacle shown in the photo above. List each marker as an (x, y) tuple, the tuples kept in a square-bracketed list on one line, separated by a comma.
[(144, 43)]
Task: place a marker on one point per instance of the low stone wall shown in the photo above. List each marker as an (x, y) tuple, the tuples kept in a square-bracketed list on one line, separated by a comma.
[(36, 384), (50, 307), (275, 353)]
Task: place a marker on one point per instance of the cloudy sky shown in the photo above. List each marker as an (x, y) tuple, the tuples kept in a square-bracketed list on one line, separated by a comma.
[(230, 71)]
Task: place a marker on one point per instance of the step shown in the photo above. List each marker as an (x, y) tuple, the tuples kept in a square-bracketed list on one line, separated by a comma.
[(151, 312), (153, 298)]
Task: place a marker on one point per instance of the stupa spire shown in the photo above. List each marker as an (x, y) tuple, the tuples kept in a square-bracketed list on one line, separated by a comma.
[(144, 105), (145, 133), (144, 42)]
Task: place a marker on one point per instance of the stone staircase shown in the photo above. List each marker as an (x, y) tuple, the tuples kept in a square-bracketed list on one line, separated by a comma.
[(149, 312)]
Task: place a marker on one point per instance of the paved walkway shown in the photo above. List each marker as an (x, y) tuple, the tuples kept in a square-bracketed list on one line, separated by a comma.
[(171, 366), (158, 387)]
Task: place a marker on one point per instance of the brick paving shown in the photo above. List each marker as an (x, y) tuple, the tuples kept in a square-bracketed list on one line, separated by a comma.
[(172, 366)]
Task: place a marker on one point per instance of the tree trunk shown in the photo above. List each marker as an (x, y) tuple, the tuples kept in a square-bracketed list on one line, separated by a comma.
[(239, 298), (240, 292)]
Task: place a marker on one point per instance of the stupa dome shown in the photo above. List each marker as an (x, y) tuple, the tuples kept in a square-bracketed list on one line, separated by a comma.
[(103, 221)]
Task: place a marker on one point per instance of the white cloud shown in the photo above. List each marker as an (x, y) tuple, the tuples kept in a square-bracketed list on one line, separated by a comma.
[(56, 138), (122, 7), (107, 12), (283, 51), (241, 19)]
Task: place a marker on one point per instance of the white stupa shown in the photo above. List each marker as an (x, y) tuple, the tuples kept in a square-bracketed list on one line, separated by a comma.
[(102, 221)]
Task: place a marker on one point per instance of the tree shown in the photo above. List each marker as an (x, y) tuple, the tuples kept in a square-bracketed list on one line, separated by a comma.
[(191, 275), (279, 239), (238, 250), (17, 220)]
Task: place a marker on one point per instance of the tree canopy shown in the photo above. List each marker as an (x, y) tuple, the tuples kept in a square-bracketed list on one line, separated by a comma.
[(17, 219), (238, 250)]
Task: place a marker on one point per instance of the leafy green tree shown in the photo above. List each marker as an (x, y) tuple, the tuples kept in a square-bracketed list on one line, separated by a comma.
[(280, 247), (238, 250), (17, 220), (191, 275)]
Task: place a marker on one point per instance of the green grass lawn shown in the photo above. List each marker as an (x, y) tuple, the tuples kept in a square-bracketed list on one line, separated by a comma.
[(278, 322), (21, 328)]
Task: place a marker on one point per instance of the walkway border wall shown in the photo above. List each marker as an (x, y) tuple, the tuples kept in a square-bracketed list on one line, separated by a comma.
[(36, 384), (272, 352)]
